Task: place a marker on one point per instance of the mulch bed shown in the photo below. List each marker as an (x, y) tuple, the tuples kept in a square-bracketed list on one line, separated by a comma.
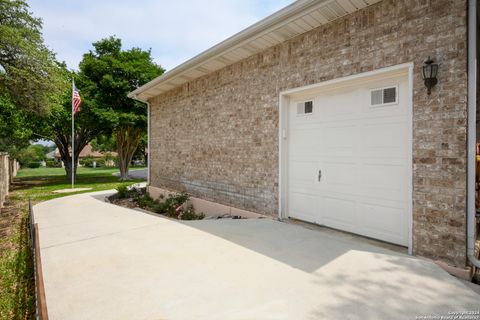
[(127, 203)]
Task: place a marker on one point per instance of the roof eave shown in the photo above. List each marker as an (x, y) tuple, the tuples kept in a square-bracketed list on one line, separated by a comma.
[(262, 28), (269, 21)]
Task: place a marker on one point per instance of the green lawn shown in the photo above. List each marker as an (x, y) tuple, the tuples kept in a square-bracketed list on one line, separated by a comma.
[(48, 172), (16, 281), (39, 184)]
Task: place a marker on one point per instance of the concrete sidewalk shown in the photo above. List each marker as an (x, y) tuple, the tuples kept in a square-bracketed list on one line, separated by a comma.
[(101, 261)]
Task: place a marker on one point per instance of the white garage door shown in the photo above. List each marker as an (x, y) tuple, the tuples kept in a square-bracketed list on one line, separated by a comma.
[(347, 162)]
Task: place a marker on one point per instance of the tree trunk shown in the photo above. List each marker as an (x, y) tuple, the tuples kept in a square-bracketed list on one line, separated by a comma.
[(67, 163), (63, 143), (128, 138)]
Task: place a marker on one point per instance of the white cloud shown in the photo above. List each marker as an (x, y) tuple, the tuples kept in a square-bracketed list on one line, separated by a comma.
[(174, 30)]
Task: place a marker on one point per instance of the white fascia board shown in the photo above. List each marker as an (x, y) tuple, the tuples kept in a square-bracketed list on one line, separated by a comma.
[(271, 22)]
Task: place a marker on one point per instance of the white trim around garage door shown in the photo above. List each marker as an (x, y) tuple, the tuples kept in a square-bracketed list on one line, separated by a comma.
[(284, 101)]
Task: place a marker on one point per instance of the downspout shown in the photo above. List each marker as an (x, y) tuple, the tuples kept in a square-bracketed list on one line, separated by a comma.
[(148, 144), (148, 136), (472, 110)]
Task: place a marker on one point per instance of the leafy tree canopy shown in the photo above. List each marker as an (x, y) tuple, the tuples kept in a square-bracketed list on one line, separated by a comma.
[(30, 78), (104, 143), (14, 131), (56, 126), (108, 74), (33, 153), (28, 71)]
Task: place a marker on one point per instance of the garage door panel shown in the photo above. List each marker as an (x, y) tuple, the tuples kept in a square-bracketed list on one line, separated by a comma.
[(384, 181), (337, 106), (304, 206), (305, 121), (388, 153), (338, 177), (362, 152), (383, 222), (384, 139), (384, 134), (383, 161), (382, 111), (339, 140), (303, 174), (308, 142), (345, 213)]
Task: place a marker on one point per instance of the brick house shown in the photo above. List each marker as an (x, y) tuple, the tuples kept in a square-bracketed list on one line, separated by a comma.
[(320, 113), (86, 153)]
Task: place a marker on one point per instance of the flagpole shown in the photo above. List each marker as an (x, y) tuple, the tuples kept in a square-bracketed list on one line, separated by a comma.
[(73, 136)]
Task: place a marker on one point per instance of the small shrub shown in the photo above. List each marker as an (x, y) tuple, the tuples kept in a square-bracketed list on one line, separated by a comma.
[(34, 165), (100, 162), (135, 192), (86, 163), (171, 212), (176, 200), (122, 191), (180, 199), (190, 214), (159, 207), (170, 206), (51, 163), (108, 160), (146, 202)]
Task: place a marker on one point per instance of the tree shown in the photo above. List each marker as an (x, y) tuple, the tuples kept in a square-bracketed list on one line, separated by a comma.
[(33, 153), (104, 143), (57, 125), (29, 76), (28, 69), (141, 152), (49, 148), (15, 127), (108, 74)]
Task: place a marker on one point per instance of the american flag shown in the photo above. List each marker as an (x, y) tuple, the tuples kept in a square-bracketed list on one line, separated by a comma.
[(76, 100)]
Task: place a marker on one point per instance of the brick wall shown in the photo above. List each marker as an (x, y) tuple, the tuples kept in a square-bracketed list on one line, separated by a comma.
[(217, 136)]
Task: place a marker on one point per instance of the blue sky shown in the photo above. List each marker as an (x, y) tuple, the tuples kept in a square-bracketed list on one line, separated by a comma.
[(174, 30)]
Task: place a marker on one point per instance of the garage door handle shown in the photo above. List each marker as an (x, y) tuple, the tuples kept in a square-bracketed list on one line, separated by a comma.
[(319, 175)]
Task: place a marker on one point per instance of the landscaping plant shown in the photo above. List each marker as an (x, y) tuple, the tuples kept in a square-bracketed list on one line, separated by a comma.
[(122, 192), (171, 206)]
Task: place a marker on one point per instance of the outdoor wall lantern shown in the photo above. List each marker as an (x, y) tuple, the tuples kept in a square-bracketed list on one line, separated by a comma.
[(429, 73)]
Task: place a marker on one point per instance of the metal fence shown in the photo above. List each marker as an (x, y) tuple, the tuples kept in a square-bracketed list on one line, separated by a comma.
[(40, 301)]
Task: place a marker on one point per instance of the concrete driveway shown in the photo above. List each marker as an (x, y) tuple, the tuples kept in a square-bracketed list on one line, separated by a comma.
[(101, 261)]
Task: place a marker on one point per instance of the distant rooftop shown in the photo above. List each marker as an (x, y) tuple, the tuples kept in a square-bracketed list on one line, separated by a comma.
[(86, 152)]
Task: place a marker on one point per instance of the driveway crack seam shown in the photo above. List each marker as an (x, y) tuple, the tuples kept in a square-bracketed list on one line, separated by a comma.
[(99, 236)]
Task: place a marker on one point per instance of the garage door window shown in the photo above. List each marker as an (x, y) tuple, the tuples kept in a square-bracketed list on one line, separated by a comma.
[(305, 107), (384, 96)]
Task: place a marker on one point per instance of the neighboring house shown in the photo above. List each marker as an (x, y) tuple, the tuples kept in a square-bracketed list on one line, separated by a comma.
[(88, 153), (319, 113), (51, 154)]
